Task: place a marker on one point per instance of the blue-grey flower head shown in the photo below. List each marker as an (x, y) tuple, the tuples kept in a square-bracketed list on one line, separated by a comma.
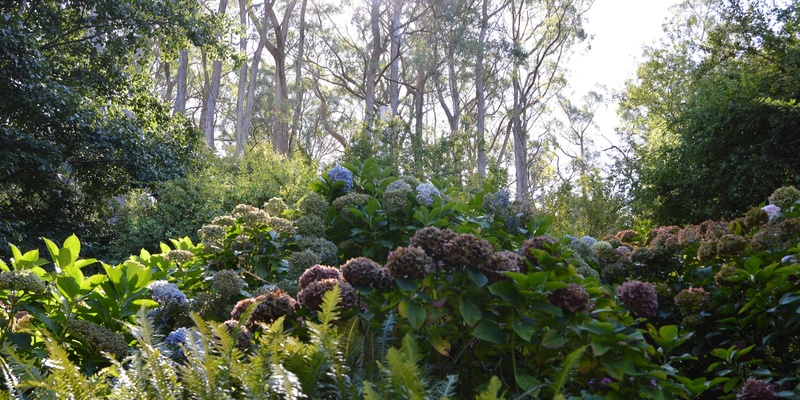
[(588, 240), (496, 203), (167, 294), (340, 173), (177, 338), (399, 185), (426, 193)]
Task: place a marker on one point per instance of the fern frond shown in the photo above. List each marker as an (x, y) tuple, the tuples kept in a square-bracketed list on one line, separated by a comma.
[(10, 380), (445, 389), (284, 382), (562, 375), (384, 341), (66, 379), (492, 391)]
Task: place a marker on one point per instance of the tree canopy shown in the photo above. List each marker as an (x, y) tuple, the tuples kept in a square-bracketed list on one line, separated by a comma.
[(78, 123), (712, 118)]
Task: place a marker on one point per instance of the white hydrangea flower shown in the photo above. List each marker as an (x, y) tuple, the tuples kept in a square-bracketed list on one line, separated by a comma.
[(773, 211)]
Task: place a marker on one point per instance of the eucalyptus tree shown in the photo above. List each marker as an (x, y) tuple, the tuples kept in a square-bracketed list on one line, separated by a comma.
[(539, 37)]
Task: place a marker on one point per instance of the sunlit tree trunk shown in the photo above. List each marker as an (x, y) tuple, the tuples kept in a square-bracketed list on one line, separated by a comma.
[(241, 93), (210, 105), (394, 71), (298, 81), (182, 79)]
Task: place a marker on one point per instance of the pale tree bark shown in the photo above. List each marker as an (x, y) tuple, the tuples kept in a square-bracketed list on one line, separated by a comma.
[(263, 28), (394, 54), (298, 81), (324, 113), (210, 105), (280, 28), (241, 92), (480, 93), (541, 34), (371, 75), (182, 79)]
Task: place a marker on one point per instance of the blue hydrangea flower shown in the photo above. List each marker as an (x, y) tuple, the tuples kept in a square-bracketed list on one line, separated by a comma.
[(773, 211), (399, 185), (340, 173), (167, 294), (426, 193), (588, 240), (177, 337), (496, 203)]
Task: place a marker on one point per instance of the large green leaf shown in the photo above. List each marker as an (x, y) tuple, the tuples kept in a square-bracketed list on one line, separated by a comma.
[(488, 330)]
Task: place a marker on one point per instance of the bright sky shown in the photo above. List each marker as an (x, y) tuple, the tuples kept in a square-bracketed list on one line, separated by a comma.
[(620, 29)]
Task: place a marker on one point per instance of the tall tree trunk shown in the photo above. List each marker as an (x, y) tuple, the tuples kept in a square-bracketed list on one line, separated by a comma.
[(480, 92), (183, 75), (241, 92), (263, 29), (298, 81), (455, 98), (280, 126), (520, 140), (372, 67), (210, 105), (394, 71), (416, 137)]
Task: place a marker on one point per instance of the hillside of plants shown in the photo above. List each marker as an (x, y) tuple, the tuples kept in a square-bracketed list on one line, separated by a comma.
[(392, 199), (379, 286)]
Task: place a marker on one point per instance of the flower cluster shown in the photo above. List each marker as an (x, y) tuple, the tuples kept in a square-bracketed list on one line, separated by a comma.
[(755, 218), (318, 272), (707, 251), (21, 281), (310, 226), (496, 203), (409, 262), (179, 256), (640, 297), (756, 389), (178, 338), (340, 173), (394, 202), (212, 234), (362, 271), (243, 335), (467, 250), (98, 337), (268, 307), (693, 300), (241, 209), (536, 243), (299, 261), (726, 275), (326, 250), (588, 240), (167, 294), (731, 245), (784, 197), (275, 207), (312, 295), (281, 225), (224, 220), (313, 204), (227, 283), (426, 194), (572, 298), (255, 218), (356, 200), (399, 185), (432, 239), (627, 236)]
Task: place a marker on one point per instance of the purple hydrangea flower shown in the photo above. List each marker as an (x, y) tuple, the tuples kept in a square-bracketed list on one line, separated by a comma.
[(167, 294)]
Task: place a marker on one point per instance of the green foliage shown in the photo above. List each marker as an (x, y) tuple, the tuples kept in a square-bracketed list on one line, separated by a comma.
[(708, 144), (79, 121), (180, 207)]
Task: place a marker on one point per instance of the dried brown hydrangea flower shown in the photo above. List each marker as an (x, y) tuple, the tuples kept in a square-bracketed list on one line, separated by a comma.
[(409, 262), (362, 271), (318, 272), (467, 250), (572, 298), (312, 296), (640, 297)]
